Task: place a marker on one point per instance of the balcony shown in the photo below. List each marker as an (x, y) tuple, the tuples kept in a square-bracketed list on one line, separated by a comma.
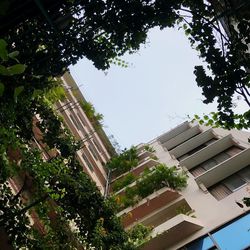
[(145, 154), (192, 143), (164, 213), (207, 152), (171, 232), (140, 147), (181, 138), (158, 200), (174, 132), (147, 163), (224, 169)]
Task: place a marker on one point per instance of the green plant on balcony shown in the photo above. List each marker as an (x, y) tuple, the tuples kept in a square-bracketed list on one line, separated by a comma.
[(91, 113), (161, 176), (149, 149), (123, 182), (154, 157), (54, 94), (184, 210), (139, 234), (123, 162), (151, 181)]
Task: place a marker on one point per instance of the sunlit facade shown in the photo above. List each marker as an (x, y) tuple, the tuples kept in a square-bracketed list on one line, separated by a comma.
[(93, 154), (209, 212)]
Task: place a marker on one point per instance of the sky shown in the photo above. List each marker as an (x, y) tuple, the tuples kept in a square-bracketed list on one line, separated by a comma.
[(154, 94)]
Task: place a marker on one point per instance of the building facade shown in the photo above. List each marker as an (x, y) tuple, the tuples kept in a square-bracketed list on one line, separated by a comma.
[(96, 149), (209, 212)]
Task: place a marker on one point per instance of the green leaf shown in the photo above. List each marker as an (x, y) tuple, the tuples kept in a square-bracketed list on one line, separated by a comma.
[(1, 89), (13, 55), (210, 122), (196, 117), (4, 71), (36, 93), (17, 92), (3, 50), (16, 69)]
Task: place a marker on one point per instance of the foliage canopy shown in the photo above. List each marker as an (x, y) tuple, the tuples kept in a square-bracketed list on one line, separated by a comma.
[(61, 33)]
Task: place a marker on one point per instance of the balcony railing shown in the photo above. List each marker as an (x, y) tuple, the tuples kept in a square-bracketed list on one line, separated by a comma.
[(224, 169), (174, 132), (172, 231), (148, 163), (148, 205), (145, 154), (192, 143), (181, 138), (207, 152)]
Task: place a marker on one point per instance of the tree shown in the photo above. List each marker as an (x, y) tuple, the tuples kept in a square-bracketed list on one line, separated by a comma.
[(55, 193), (54, 35)]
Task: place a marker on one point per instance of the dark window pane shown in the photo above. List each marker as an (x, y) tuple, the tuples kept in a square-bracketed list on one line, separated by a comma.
[(233, 182)]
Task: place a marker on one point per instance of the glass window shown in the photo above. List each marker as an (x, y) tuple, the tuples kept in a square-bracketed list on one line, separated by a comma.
[(201, 244), (97, 146), (85, 158), (234, 182), (234, 236), (93, 151), (221, 157), (209, 164), (245, 173), (81, 119), (74, 121)]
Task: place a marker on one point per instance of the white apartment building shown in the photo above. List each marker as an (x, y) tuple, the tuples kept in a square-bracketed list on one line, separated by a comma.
[(207, 214)]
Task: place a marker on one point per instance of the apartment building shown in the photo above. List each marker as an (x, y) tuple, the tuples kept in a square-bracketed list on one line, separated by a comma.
[(96, 149), (208, 213)]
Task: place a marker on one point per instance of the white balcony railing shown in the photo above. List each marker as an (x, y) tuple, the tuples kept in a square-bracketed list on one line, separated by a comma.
[(184, 136), (224, 169), (207, 152), (192, 143)]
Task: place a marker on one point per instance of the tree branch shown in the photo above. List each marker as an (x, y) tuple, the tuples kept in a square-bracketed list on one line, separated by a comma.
[(21, 189), (244, 95), (32, 204), (208, 22)]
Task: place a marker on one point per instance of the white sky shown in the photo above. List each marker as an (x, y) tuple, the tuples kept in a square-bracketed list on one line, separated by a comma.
[(154, 94)]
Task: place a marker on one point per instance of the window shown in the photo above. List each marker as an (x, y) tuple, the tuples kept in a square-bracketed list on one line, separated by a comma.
[(245, 173), (73, 119), (234, 182), (97, 146), (85, 158), (93, 151), (81, 119), (204, 243), (191, 152), (231, 236), (230, 184), (217, 159)]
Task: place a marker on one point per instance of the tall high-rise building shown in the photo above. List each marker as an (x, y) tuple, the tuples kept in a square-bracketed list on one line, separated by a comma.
[(96, 148), (208, 213)]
